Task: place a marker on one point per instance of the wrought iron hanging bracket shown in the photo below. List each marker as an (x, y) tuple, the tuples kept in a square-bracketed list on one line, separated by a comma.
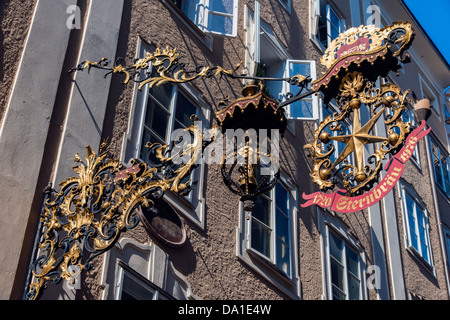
[(164, 66)]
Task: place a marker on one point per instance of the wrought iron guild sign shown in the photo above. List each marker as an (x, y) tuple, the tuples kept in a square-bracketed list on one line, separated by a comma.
[(355, 61)]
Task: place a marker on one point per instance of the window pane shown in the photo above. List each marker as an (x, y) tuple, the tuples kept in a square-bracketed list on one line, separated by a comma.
[(336, 247), (144, 152), (220, 24), (337, 278), (281, 199), (422, 233), (184, 110), (334, 24), (302, 109), (133, 290), (262, 210), (224, 6), (283, 257), (298, 68), (260, 238), (162, 94), (445, 170), (282, 225), (437, 165), (157, 119), (412, 231), (352, 262), (353, 288)]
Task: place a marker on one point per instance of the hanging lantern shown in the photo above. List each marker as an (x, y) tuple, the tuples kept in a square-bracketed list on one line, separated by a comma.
[(262, 121)]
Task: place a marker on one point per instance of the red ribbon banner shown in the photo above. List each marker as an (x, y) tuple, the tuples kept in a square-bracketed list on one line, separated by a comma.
[(337, 201)]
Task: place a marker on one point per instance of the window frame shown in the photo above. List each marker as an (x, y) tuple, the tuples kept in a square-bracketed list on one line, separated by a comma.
[(273, 253), (126, 271), (328, 224), (200, 16), (290, 285), (408, 191), (287, 88), (431, 95), (446, 231), (286, 5), (315, 14), (445, 184), (348, 128), (193, 206)]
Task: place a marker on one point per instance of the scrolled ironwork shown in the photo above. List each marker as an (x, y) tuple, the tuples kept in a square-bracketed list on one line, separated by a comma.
[(91, 210)]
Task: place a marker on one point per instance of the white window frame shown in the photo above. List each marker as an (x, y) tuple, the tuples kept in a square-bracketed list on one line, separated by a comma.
[(416, 154), (417, 253), (266, 266), (315, 14), (193, 206), (201, 13), (287, 5), (256, 29), (124, 272), (147, 262), (272, 228), (348, 126), (327, 224), (447, 243)]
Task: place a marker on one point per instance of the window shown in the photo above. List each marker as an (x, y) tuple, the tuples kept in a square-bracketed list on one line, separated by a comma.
[(266, 237), (427, 92), (344, 264), (441, 167), (132, 286), (270, 228), (212, 16), (266, 56), (157, 113), (286, 4), (345, 270), (306, 108), (417, 227), (326, 24), (168, 109), (141, 271), (447, 243), (338, 146), (408, 116)]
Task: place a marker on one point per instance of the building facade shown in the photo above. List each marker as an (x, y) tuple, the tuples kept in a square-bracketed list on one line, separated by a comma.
[(395, 249)]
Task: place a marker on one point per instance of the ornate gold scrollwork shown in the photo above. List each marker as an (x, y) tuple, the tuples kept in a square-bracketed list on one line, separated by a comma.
[(93, 208)]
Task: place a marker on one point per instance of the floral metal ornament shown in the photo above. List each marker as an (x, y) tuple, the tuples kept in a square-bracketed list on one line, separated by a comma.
[(355, 60), (92, 209)]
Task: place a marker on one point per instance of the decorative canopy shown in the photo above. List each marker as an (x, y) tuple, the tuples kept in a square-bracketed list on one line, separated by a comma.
[(255, 110)]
